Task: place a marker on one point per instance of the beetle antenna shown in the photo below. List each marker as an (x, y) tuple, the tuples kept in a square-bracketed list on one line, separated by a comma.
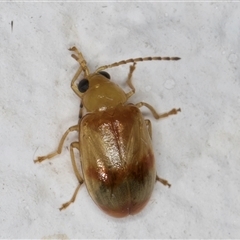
[(133, 60), (79, 58)]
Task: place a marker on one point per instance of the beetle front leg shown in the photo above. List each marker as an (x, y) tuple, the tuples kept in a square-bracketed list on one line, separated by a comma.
[(80, 59), (129, 80), (154, 112), (83, 67), (79, 177), (60, 146)]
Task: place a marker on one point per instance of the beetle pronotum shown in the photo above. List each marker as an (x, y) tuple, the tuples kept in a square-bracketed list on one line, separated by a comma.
[(116, 155)]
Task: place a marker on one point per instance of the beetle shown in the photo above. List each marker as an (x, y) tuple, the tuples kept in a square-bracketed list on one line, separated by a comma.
[(116, 154)]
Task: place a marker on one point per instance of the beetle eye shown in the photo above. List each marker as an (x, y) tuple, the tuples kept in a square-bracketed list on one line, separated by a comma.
[(83, 85), (105, 74)]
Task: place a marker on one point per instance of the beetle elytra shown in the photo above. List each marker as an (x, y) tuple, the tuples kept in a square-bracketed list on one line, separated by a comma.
[(116, 155)]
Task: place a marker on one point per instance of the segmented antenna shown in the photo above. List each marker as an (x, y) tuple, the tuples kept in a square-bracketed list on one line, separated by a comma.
[(133, 60)]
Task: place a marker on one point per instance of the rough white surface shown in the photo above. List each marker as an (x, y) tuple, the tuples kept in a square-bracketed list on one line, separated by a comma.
[(197, 151)]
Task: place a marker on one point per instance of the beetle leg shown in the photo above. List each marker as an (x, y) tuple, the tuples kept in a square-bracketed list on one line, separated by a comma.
[(83, 67), (163, 181), (65, 205), (79, 177), (79, 58), (60, 146), (154, 112), (72, 146), (129, 80), (149, 126), (74, 86)]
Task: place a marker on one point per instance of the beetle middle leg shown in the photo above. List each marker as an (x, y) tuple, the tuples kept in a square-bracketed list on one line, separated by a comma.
[(79, 177), (60, 146), (154, 112), (149, 126)]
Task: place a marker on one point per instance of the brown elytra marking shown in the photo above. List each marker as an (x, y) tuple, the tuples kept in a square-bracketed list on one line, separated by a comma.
[(141, 170), (112, 177), (129, 208)]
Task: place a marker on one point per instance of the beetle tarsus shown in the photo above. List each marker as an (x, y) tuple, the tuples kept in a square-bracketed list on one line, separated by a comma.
[(65, 205), (40, 159), (163, 181), (73, 49), (172, 112)]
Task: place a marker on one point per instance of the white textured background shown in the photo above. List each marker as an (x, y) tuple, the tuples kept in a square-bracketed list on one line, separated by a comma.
[(197, 151)]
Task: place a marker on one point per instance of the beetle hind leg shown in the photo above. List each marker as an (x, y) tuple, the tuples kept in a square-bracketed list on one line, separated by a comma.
[(163, 181), (66, 204), (77, 174)]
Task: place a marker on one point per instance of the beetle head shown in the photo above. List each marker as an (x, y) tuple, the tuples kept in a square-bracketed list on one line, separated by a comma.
[(99, 93)]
